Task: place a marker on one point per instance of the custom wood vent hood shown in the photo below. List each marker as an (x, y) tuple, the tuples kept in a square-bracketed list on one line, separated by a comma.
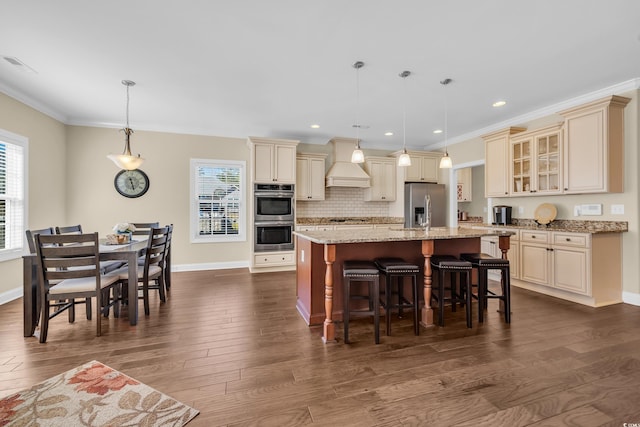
[(343, 173)]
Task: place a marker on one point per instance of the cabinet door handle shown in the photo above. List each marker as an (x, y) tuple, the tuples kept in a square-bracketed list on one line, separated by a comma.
[(533, 237), (568, 239)]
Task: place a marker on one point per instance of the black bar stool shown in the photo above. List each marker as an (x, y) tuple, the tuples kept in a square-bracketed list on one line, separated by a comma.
[(484, 262), (361, 271), (398, 268), (450, 264)]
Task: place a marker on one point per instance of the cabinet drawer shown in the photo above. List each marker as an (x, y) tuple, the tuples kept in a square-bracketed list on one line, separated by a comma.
[(325, 227), (571, 239), (534, 236), (354, 227), (273, 258), (306, 228)]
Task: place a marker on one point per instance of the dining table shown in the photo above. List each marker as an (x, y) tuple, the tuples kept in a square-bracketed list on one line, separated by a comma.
[(128, 252)]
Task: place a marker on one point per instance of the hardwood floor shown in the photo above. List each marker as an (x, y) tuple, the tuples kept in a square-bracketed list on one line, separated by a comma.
[(232, 345)]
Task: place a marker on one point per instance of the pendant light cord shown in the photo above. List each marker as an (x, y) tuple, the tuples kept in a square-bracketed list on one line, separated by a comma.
[(127, 106), (404, 113), (444, 83)]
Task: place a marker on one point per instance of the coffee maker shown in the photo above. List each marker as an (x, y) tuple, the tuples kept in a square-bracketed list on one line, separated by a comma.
[(501, 215)]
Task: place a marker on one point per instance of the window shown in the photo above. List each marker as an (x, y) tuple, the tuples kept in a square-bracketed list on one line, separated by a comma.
[(217, 201), (13, 150)]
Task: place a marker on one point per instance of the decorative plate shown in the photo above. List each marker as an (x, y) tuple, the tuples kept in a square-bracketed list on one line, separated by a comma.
[(545, 213)]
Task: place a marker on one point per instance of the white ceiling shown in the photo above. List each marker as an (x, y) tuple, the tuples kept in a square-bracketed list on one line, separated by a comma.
[(273, 68)]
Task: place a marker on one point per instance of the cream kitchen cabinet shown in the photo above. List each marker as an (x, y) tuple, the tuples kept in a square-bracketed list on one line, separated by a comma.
[(496, 170), (425, 166), (464, 189), (594, 146), (580, 267), (535, 162), (558, 260), (274, 160), (310, 177), (382, 171)]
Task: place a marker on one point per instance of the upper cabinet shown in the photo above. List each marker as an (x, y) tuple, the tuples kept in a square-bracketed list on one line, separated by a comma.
[(424, 166), (496, 169), (310, 176), (274, 160), (382, 171), (535, 162), (594, 146), (464, 184)]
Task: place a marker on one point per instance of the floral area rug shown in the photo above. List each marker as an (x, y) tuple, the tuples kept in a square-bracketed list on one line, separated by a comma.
[(93, 395)]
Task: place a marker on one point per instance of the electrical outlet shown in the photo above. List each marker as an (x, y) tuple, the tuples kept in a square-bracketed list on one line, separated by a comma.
[(617, 209), (520, 209)]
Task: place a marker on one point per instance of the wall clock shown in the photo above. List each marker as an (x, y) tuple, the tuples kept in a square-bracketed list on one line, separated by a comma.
[(132, 183)]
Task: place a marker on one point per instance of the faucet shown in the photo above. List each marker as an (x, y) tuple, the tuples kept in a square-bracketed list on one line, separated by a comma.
[(427, 213)]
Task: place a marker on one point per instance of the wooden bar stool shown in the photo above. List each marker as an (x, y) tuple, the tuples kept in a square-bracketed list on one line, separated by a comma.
[(484, 262), (450, 264), (397, 268), (361, 271)]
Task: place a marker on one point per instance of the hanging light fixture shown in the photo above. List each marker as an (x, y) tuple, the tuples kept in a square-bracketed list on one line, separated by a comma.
[(357, 156), (445, 162), (404, 160), (126, 160)]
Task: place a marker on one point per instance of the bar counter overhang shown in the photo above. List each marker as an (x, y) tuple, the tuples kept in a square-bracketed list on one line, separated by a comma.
[(319, 257)]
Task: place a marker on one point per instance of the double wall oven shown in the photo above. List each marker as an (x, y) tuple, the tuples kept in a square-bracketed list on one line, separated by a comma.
[(273, 217)]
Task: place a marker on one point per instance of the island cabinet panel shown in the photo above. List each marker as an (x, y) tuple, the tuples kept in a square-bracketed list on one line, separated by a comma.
[(311, 269)]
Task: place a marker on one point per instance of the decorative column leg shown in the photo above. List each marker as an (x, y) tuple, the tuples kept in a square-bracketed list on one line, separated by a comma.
[(504, 243), (427, 311), (329, 334)]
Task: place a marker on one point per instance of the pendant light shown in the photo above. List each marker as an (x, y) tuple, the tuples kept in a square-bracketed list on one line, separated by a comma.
[(126, 160), (445, 162), (357, 156), (404, 160)]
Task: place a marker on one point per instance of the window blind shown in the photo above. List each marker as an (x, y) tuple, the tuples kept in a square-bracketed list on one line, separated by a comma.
[(12, 188)]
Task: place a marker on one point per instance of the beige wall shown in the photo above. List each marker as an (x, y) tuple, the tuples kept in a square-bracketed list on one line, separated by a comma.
[(47, 163), (94, 202)]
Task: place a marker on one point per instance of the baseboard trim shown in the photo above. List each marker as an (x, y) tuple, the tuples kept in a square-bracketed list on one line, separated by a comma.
[(631, 298), (210, 266), (10, 295)]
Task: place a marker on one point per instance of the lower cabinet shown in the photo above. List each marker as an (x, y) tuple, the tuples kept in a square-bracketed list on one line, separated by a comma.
[(580, 267), (273, 261)]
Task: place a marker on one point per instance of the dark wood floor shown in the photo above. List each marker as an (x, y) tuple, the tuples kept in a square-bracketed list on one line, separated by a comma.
[(232, 345)]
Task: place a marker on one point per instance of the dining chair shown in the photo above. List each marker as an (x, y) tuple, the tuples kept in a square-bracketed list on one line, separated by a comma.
[(31, 237), (167, 259), (69, 268), (71, 229), (153, 268), (105, 266), (31, 241), (142, 228)]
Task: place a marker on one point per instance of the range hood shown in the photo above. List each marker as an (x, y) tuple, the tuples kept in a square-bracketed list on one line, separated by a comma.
[(343, 173)]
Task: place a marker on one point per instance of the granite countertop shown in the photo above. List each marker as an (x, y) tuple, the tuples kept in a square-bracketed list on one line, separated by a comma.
[(573, 226), (349, 220), (395, 235)]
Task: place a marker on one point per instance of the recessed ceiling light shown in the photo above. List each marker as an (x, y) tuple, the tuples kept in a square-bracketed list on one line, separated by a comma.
[(388, 134), (437, 131), (499, 103), (315, 126)]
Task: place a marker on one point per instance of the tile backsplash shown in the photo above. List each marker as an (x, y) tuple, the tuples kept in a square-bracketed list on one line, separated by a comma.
[(342, 202)]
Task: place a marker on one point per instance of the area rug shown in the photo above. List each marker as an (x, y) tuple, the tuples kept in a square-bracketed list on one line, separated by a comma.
[(93, 395)]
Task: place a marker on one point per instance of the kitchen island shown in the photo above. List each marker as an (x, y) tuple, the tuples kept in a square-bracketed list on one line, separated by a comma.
[(320, 254)]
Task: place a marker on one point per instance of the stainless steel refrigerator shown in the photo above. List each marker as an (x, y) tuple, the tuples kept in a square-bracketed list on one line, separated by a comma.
[(414, 203)]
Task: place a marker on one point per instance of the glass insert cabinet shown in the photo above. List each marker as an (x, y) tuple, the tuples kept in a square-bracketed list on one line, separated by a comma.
[(535, 160)]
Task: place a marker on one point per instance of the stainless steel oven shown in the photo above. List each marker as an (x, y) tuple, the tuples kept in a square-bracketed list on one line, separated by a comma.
[(273, 236), (273, 202)]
